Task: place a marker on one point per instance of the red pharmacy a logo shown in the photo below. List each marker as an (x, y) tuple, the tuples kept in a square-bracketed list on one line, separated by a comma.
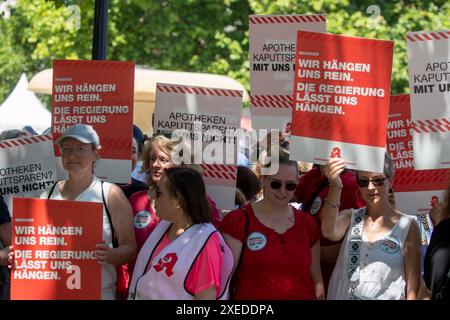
[(335, 153), (434, 201)]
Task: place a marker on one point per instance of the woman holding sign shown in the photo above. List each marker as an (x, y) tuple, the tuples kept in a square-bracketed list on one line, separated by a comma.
[(185, 257), (275, 246), (79, 146), (380, 255)]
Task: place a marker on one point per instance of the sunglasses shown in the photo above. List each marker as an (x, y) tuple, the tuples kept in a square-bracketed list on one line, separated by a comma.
[(289, 186), (377, 182)]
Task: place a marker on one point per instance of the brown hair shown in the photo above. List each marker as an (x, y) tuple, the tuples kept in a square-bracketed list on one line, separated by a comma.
[(187, 185)]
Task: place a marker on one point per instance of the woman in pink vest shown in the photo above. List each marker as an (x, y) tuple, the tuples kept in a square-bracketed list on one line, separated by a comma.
[(156, 158), (185, 257)]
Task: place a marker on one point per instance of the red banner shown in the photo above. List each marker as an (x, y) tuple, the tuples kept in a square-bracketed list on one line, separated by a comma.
[(341, 98), (54, 243)]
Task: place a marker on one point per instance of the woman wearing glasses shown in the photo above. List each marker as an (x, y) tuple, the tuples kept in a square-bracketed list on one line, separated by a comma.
[(380, 255), (79, 146), (275, 247), (185, 257)]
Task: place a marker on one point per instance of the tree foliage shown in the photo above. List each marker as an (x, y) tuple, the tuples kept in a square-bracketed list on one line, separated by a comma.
[(193, 35)]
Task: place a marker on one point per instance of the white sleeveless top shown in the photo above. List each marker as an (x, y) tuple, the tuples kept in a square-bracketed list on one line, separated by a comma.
[(93, 193), (168, 283), (382, 275)]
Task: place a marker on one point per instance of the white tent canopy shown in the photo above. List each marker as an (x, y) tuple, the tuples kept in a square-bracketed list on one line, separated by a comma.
[(23, 108)]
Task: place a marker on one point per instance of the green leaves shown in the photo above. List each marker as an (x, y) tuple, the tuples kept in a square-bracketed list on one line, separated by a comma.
[(193, 35)]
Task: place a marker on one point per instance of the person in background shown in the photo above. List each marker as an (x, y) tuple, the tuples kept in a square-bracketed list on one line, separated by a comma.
[(380, 255), (247, 186), (311, 192), (185, 257), (436, 276), (275, 247), (136, 185), (79, 146), (5, 242), (29, 131)]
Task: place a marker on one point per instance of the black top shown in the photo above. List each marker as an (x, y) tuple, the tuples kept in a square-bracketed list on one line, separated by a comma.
[(4, 212), (437, 258), (133, 187)]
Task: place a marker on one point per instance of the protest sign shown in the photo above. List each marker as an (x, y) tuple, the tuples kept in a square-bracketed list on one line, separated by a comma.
[(341, 99), (97, 93), (272, 62), (208, 119), (27, 167), (54, 244), (429, 82), (415, 191)]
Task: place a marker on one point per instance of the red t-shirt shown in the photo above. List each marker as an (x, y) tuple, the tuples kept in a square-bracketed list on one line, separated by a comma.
[(310, 182), (274, 266)]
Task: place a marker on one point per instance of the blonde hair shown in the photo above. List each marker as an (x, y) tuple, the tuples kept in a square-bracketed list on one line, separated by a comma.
[(167, 146)]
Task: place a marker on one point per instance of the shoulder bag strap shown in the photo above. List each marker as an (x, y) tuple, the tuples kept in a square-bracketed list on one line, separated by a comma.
[(52, 189), (114, 239), (355, 250)]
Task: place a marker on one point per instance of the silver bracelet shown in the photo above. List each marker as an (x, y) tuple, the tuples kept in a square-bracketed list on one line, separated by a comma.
[(334, 206)]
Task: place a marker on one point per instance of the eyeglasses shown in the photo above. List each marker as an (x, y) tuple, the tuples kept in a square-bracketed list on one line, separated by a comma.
[(76, 151), (289, 186), (377, 182)]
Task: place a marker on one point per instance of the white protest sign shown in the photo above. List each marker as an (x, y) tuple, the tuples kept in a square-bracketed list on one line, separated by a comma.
[(208, 118), (429, 81), (272, 63), (27, 167), (416, 191)]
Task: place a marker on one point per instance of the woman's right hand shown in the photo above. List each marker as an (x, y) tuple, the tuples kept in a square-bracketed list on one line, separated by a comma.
[(333, 170)]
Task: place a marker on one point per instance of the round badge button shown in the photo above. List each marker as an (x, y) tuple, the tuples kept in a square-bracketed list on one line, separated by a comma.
[(256, 241), (390, 245), (316, 205), (142, 219)]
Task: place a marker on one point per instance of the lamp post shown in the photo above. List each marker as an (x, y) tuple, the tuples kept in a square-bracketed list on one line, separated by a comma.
[(100, 39)]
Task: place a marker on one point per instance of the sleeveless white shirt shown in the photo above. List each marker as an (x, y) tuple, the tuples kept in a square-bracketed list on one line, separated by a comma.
[(93, 193), (382, 275), (166, 281)]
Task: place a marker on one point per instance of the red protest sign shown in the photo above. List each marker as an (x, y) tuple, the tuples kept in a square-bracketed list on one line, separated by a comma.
[(341, 99), (416, 191), (101, 94), (54, 243)]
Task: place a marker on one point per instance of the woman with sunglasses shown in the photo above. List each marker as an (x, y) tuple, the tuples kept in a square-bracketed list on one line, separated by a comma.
[(275, 246), (380, 255), (185, 257)]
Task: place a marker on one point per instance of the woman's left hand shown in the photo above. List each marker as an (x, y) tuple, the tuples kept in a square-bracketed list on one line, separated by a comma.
[(103, 253)]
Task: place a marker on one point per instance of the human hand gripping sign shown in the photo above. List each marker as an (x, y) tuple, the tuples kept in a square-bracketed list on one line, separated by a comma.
[(332, 170), (104, 253)]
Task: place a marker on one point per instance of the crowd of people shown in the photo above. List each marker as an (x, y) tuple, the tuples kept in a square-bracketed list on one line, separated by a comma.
[(305, 232)]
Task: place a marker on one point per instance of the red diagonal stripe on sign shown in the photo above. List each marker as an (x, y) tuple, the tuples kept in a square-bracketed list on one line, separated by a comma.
[(435, 35), (258, 20), (290, 19), (426, 36), (410, 38), (418, 37), (443, 35)]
